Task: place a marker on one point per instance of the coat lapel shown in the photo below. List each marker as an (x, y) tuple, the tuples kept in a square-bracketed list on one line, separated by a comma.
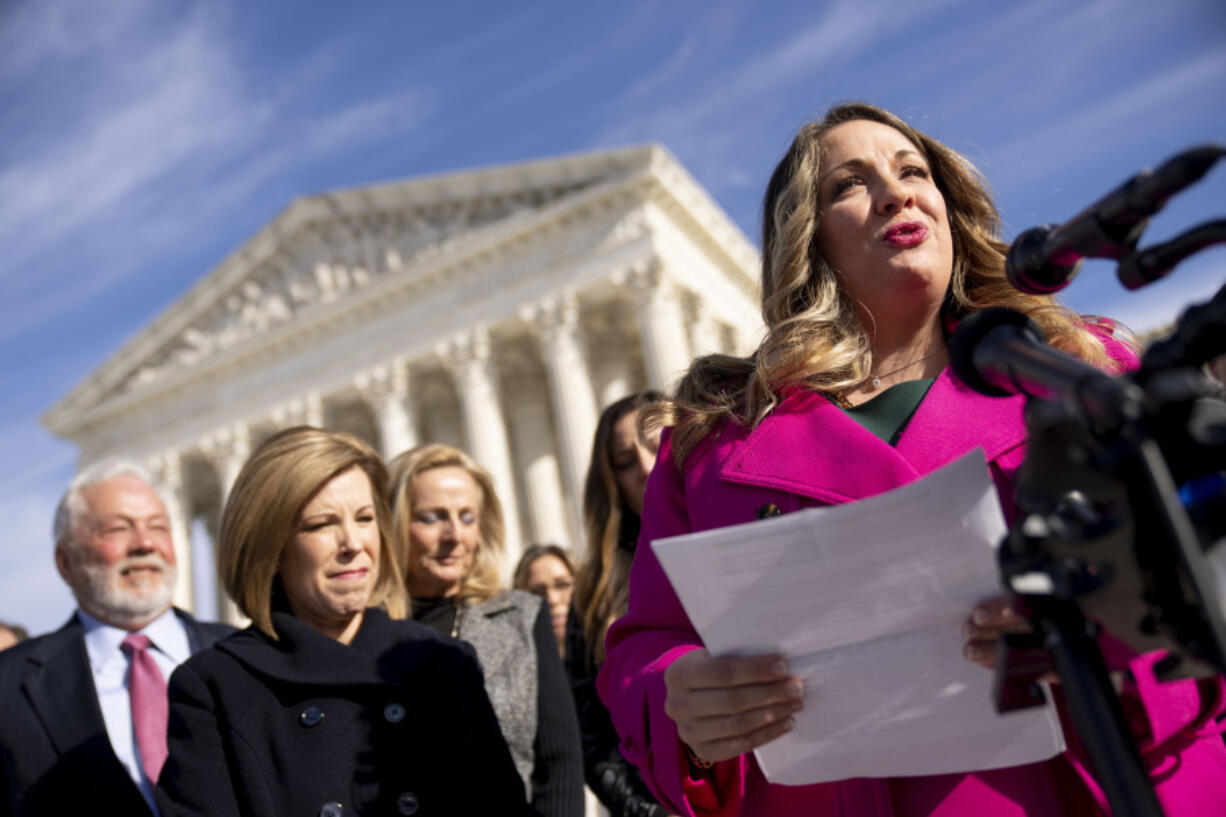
[(60, 688), (953, 420), (809, 446)]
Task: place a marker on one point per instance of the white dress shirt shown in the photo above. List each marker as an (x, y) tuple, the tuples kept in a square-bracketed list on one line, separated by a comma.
[(109, 666)]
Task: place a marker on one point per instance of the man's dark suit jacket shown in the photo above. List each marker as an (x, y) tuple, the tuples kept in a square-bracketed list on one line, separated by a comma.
[(55, 756)]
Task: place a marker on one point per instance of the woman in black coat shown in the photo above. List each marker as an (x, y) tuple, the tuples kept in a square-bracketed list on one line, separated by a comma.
[(327, 705)]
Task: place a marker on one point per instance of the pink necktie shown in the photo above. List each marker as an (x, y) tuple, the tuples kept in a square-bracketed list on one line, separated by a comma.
[(147, 691)]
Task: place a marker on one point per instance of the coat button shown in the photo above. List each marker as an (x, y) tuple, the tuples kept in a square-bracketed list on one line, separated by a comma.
[(407, 803), (311, 716), (331, 810), (393, 713)]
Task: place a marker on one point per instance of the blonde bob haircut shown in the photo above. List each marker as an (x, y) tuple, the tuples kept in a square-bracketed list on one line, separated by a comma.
[(814, 338), (484, 580), (261, 516)]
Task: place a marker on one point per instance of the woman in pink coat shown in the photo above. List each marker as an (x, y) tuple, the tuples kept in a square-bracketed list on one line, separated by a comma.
[(876, 239)]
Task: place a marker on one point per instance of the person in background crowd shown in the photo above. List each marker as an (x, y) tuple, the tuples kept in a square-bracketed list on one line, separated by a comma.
[(83, 709), (327, 704), (12, 635), (876, 239), (1216, 369), (612, 501), (546, 571), (448, 524)]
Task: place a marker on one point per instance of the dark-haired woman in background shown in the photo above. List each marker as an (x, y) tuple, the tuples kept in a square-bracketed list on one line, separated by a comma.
[(547, 571), (612, 503)]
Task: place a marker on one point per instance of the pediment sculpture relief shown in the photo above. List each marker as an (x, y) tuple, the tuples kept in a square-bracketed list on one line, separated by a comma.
[(324, 262)]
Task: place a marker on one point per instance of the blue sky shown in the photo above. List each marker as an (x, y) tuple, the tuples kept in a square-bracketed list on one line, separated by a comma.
[(145, 140)]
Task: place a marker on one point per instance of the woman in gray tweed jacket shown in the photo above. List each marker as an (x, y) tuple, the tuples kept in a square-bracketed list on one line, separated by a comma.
[(449, 525)]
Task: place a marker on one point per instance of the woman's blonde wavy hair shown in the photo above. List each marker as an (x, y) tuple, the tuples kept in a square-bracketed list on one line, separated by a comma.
[(484, 580), (814, 338), (261, 515)]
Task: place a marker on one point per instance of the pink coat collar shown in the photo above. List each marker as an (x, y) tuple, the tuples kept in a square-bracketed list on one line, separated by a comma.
[(792, 448)]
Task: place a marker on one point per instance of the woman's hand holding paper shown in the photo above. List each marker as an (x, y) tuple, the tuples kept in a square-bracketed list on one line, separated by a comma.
[(728, 706)]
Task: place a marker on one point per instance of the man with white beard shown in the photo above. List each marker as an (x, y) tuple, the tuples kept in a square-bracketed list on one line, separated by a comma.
[(83, 709)]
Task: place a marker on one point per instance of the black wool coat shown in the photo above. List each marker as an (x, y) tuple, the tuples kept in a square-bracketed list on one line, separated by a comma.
[(395, 723)]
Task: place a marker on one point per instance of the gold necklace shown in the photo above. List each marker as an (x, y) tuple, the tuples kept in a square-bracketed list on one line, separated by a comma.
[(876, 381), (455, 622)]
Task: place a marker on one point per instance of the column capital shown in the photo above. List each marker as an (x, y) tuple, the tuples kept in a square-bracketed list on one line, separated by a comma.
[(306, 410), (465, 349), (646, 279), (385, 388), (228, 442), (166, 469), (551, 316), (390, 379)]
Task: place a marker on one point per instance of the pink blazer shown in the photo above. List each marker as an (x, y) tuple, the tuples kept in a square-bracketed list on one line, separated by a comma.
[(808, 452)]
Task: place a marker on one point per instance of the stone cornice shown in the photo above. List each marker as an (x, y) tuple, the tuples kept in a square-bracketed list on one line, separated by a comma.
[(637, 174), (685, 199)]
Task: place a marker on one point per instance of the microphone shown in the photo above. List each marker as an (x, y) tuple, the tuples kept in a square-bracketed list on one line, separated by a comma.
[(1044, 259), (1000, 352)]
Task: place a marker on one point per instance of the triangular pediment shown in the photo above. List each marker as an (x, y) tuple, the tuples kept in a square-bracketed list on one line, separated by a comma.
[(334, 251), (325, 248)]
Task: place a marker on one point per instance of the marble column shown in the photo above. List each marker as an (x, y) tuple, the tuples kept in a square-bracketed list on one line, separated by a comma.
[(666, 350), (745, 340), (227, 450), (542, 482), (467, 357), (612, 350), (705, 335), (556, 322), (166, 470), (385, 388), (616, 386)]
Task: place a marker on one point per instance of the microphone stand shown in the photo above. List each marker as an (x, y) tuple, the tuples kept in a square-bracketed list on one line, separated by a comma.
[(1047, 575), (1139, 569)]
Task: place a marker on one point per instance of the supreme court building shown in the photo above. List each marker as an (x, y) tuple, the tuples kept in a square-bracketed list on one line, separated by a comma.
[(497, 310)]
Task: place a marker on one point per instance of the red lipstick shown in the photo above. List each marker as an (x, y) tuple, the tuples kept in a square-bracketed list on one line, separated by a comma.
[(906, 234)]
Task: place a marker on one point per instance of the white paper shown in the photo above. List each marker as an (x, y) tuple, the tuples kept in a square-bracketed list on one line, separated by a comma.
[(867, 601)]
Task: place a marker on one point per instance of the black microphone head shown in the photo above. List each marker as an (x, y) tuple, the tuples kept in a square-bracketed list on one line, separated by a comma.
[(972, 330), (1028, 267)]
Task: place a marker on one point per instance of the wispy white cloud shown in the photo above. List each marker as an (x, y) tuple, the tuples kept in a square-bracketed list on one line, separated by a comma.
[(718, 100), (1061, 140), (582, 58), (680, 60), (124, 136), (177, 122)]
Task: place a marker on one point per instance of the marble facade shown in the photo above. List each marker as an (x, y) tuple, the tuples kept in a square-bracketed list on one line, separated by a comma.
[(498, 310)]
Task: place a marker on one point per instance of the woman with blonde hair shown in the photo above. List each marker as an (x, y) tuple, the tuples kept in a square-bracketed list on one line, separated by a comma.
[(876, 239), (448, 525), (327, 704)]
